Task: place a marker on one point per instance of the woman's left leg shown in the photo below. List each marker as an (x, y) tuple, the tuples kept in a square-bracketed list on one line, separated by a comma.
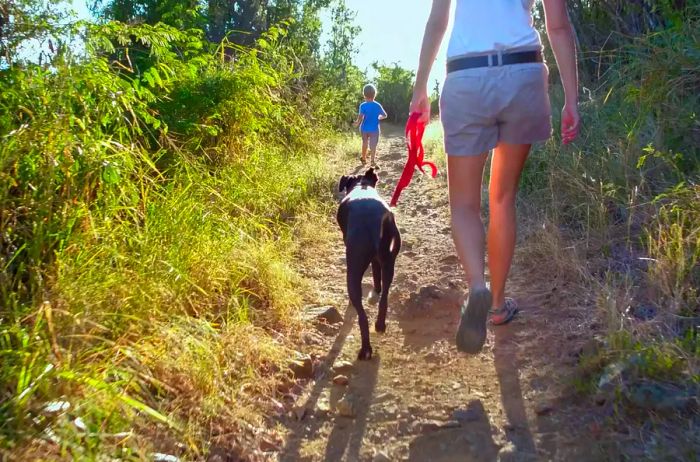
[(506, 166)]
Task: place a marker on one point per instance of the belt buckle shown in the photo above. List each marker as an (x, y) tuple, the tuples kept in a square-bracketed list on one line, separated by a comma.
[(498, 59)]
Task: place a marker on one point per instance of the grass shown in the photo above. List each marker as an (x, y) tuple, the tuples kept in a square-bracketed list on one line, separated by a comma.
[(178, 325), (150, 290)]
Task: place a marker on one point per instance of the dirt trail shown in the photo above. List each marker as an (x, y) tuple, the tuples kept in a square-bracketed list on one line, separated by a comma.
[(418, 399)]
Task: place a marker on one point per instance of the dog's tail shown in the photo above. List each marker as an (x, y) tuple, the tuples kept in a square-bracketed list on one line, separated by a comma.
[(390, 237)]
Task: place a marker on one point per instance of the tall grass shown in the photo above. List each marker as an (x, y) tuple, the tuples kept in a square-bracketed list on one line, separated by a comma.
[(150, 197), (624, 198)]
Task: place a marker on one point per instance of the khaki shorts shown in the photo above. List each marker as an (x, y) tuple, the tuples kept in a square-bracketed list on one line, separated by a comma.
[(372, 138), (481, 106)]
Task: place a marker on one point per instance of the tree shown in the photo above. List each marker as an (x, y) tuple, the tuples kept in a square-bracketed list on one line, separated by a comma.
[(395, 89), (23, 20)]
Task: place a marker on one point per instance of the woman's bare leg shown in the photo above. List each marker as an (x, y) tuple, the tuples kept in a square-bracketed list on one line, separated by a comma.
[(506, 166), (464, 184)]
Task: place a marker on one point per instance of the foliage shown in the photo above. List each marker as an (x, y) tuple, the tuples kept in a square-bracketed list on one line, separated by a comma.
[(149, 195), (395, 90), (30, 22), (627, 192)]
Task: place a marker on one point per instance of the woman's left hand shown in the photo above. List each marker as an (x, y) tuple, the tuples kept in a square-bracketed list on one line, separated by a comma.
[(421, 103), (570, 123)]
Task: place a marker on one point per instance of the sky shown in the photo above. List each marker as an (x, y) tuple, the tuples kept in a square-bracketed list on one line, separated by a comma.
[(392, 32)]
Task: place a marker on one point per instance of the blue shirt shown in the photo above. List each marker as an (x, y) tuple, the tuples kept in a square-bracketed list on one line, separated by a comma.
[(371, 110)]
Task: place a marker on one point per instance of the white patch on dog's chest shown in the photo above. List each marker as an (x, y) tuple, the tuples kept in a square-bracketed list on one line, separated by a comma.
[(360, 192)]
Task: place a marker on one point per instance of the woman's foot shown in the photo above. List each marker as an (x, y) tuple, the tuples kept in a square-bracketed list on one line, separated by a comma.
[(505, 314), (471, 333)]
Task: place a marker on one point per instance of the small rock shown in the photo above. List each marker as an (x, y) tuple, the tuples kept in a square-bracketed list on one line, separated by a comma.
[(311, 338), (55, 407), (159, 457), (641, 312), (302, 367), (543, 408), (466, 415), (323, 406), (612, 376), (659, 397), (431, 291), (381, 456), (299, 412), (325, 314), (342, 367), (346, 406), (331, 315), (590, 348), (269, 446), (341, 380), (80, 424), (601, 398), (429, 426)]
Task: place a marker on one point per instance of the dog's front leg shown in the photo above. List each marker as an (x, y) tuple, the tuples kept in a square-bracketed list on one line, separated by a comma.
[(356, 269)]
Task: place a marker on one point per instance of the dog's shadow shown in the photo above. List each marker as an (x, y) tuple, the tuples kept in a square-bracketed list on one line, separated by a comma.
[(348, 432), (345, 440)]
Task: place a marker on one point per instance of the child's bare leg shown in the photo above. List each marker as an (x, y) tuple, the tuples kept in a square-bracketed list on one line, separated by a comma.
[(365, 145), (373, 141)]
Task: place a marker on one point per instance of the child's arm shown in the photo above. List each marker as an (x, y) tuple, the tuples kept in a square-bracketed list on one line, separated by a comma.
[(383, 115), (360, 118)]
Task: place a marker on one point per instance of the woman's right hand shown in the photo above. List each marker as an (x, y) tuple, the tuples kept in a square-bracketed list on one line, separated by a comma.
[(421, 103)]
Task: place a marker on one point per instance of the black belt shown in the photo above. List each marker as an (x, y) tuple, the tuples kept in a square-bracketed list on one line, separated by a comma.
[(470, 62)]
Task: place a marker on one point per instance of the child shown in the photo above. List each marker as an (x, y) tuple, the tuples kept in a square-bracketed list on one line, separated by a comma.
[(371, 112)]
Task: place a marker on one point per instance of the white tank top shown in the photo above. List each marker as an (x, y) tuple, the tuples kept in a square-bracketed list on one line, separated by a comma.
[(491, 25)]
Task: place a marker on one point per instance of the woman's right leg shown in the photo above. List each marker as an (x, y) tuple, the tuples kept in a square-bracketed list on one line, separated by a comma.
[(464, 175)]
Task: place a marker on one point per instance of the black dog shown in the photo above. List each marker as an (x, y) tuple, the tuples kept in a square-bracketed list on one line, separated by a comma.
[(371, 236)]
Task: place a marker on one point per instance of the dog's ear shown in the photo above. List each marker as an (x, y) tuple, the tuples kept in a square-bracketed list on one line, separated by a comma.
[(371, 177), (343, 183)]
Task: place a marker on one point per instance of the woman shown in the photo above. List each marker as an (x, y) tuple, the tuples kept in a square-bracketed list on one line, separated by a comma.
[(494, 97)]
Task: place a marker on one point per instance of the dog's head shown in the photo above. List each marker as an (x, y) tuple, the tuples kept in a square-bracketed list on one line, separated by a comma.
[(347, 182)]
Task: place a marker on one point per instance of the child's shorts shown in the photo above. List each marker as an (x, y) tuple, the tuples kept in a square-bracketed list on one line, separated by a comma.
[(481, 106), (372, 138)]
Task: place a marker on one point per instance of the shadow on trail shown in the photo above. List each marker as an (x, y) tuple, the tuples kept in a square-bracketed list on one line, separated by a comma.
[(291, 451), (345, 440), (507, 369), (426, 320), (472, 441)]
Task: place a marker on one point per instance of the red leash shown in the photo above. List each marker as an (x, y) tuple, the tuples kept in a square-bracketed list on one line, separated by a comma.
[(414, 137)]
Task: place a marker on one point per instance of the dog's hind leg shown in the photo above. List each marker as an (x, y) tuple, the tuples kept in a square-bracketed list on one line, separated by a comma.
[(377, 277), (356, 269), (387, 279)]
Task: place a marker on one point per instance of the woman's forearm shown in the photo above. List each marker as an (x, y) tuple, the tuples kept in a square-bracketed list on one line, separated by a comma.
[(434, 33), (561, 37), (564, 50)]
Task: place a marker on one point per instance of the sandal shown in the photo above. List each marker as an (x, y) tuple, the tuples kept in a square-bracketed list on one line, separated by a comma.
[(504, 315), (471, 333)]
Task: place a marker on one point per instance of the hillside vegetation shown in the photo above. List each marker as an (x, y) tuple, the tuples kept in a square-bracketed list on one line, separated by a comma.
[(154, 188)]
